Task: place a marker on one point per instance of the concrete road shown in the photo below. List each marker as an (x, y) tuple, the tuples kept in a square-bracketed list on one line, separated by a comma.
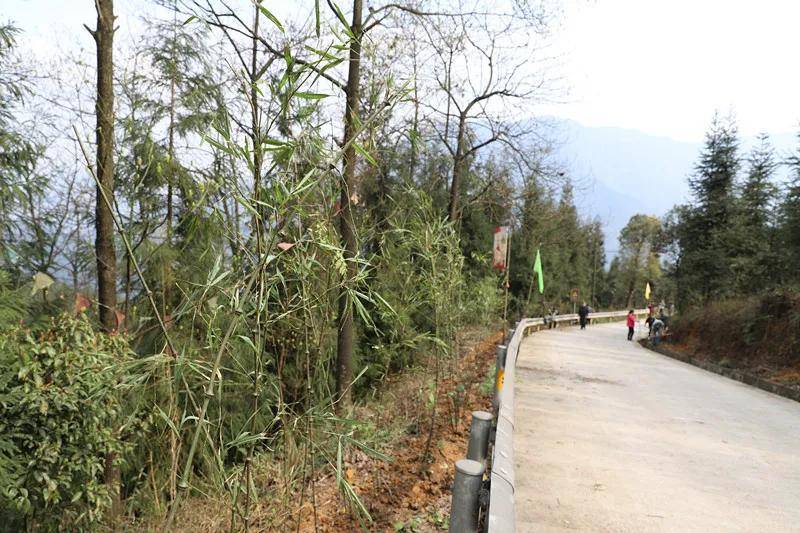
[(612, 437)]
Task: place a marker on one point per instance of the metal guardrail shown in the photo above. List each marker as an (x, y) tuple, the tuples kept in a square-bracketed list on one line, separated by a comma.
[(500, 516)]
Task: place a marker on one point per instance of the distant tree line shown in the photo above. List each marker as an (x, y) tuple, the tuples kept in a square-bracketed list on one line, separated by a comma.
[(740, 235)]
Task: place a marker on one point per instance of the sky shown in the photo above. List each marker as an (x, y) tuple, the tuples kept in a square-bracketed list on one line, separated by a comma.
[(663, 67), (659, 67)]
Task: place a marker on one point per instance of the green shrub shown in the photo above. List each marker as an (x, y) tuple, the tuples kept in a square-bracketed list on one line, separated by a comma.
[(60, 414), (419, 272)]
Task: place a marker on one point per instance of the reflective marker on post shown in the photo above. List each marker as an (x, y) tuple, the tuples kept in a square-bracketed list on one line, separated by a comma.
[(500, 364)]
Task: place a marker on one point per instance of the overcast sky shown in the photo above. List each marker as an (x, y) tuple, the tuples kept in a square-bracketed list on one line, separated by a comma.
[(662, 67), (655, 66)]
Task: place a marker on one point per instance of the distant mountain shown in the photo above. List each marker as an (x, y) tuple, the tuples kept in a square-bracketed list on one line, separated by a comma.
[(620, 172)]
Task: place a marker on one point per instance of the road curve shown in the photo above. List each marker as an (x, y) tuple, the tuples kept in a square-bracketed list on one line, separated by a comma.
[(610, 436)]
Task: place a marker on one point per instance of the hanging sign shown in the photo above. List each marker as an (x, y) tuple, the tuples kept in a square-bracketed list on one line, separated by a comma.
[(500, 247)]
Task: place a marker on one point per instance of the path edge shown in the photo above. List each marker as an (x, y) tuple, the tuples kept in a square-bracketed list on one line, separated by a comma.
[(730, 373)]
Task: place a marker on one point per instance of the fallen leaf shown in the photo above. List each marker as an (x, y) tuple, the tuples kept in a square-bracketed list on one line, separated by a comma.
[(81, 303), (41, 281), (120, 316)]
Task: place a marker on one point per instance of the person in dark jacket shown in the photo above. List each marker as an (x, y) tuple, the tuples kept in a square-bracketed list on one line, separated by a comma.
[(583, 314), (649, 321)]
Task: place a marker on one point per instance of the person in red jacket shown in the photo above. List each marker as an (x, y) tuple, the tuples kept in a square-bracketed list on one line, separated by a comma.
[(631, 323)]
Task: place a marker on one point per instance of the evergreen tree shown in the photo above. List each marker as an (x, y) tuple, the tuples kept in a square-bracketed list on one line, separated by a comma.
[(573, 252), (597, 257), (790, 220), (755, 236), (707, 233)]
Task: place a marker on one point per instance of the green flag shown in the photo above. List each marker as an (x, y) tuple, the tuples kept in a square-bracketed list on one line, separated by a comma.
[(537, 269)]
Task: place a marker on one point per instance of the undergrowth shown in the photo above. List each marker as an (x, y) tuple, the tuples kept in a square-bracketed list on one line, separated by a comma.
[(760, 333)]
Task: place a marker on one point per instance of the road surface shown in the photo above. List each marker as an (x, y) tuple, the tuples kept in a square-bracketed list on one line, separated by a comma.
[(610, 436)]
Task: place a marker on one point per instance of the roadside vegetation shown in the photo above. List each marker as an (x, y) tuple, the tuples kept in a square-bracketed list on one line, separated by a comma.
[(727, 260), (760, 335), (224, 242), (245, 258)]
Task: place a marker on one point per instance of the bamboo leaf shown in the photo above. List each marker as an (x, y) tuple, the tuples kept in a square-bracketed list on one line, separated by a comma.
[(311, 96), (271, 17), (360, 149), (340, 16)]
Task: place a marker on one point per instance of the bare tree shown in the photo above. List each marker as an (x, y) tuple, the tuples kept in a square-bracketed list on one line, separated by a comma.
[(482, 70)]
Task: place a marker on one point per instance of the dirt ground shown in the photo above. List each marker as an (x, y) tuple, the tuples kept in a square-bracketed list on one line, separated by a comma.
[(759, 366), (407, 494)]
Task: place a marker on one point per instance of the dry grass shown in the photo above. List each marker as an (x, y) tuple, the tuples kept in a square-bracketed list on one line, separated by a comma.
[(759, 334), (405, 494)]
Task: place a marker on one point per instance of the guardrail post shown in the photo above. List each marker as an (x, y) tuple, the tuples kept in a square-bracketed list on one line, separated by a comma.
[(499, 370), (466, 489), (479, 436)]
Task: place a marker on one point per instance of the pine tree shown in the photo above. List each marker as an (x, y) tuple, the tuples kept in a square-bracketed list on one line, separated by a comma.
[(790, 219), (755, 235), (707, 234)]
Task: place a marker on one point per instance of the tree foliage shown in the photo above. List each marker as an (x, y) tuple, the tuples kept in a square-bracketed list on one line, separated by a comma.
[(738, 237), (248, 222), (61, 411)]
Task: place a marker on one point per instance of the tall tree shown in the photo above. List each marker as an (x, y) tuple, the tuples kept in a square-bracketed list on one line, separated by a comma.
[(104, 221), (639, 255), (756, 243), (707, 234), (104, 133), (344, 345), (790, 218), (468, 116)]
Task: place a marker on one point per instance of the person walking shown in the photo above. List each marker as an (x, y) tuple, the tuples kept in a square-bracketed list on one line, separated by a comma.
[(631, 323), (583, 314)]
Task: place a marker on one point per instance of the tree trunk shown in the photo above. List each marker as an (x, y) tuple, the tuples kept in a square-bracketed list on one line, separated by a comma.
[(104, 222), (344, 352), (458, 169)]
